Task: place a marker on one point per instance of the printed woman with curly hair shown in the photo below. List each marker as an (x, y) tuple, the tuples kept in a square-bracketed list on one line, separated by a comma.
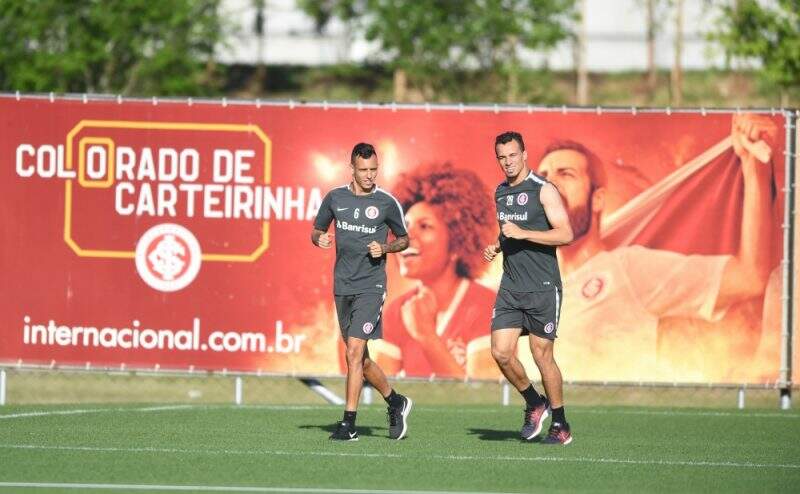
[(441, 326)]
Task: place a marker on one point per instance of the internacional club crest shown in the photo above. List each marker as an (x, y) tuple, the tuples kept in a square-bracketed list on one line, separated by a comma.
[(168, 257), (522, 199), (549, 327), (367, 327), (371, 212)]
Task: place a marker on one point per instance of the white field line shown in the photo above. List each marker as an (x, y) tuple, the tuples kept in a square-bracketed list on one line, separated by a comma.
[(499, 458), (46, 413), (698, 413), (493, 410), (214, 488), (573, 411)]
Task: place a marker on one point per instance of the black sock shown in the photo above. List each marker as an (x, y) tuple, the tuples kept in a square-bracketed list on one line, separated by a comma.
[(394, 399), (558, 415), (532, 398), (349, 417)]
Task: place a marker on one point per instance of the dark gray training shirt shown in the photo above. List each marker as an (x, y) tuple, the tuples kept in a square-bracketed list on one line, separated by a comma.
[(359, 221), (527, 266)]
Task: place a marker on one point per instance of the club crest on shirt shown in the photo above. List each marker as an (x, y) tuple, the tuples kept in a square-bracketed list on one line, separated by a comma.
[(371, 212), (367, 327), (522, 199), (549, 327)]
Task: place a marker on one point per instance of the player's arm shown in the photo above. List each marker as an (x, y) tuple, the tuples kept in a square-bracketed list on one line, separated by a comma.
[(396, 223), (746, 274), (319, 235), (397, 245), (491, 251), (561, 231), (321, 238)]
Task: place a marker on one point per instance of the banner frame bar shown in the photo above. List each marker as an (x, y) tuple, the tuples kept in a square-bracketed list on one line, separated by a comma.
[(390, 106), (161, 372), (788, 278)]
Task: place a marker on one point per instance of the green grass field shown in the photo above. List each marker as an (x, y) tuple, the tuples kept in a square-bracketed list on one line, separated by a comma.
[(284, 448)]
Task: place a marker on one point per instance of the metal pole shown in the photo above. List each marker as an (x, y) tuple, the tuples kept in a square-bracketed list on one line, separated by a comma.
[(321, 390), (787, 298), (741, 399), (506, 393), (366, 396), (238, 390), (2, 387)]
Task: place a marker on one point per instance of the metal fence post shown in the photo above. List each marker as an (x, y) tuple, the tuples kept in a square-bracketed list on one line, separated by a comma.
[(366, 397), (2, 387), (238, 385), (506, 393), (741, 399), (787, 319)]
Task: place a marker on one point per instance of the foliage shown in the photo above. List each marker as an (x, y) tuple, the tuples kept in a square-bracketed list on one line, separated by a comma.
[(431, 40), (136, 47), (768, 32)]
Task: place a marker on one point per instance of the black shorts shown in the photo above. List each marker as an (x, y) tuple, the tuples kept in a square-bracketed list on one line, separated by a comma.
[(535, 312), (360, 315)]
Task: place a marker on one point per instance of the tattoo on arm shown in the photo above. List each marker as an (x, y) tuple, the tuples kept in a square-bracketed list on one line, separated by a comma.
[(396, 245)]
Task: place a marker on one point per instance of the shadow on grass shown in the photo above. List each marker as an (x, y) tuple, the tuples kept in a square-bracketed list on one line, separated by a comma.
[(362, 429), (495, 435)]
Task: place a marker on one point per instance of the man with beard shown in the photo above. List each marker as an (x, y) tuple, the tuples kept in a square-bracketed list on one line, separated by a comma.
[(616, 297), (533, 222)]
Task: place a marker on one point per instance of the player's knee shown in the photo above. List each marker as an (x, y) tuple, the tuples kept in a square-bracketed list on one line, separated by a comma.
[(542, 355), (354, 355), (502, 356)]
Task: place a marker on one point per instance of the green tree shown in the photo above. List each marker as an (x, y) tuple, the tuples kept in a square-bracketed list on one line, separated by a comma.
[(136, 47), (429, 41), (768, 32), (496, 30)]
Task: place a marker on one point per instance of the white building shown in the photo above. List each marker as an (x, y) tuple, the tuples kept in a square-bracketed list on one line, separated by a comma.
[(615, 38)]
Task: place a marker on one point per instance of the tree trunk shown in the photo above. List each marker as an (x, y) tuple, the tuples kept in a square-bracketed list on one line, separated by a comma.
[(651, 48), (258, 81), (582, 89), (512, 89), (676, 89), (400, 85)]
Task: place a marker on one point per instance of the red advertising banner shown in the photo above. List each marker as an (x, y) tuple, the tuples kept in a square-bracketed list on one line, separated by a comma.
[(170, 234)]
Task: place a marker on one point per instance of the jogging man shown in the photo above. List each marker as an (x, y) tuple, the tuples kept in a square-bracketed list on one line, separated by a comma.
[(533, 221), (364, 214)]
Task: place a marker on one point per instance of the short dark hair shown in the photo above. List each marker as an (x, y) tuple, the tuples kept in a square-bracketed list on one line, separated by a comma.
[(594, 166), (509, 136), (362, 150)]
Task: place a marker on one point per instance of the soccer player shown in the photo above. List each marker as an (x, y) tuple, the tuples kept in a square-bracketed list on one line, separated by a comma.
[(364, 214), (533, 221)]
